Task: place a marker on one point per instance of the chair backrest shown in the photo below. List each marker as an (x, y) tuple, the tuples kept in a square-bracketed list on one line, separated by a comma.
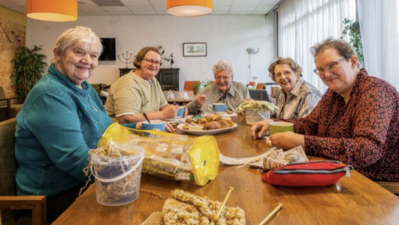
[(260, 86), (189, 85), (8, 166)]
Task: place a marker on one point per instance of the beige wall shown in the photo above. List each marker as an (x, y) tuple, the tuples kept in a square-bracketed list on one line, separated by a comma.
[(227, 36), (12, 16), (12, 35)]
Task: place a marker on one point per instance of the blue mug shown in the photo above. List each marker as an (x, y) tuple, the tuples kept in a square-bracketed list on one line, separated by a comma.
[(217, 107), (158, 124), (180, 113)]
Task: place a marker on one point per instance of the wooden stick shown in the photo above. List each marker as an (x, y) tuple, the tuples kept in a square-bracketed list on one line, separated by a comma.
[(270, 216), (224, 203)]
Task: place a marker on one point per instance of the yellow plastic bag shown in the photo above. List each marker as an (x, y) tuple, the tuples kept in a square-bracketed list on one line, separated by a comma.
[(170, 156)]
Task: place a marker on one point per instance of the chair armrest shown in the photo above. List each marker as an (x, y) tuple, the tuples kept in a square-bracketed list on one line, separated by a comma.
[(36, 203), (8, 105)]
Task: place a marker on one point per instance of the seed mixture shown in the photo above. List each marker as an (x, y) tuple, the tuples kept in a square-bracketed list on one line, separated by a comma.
[(186, 208)]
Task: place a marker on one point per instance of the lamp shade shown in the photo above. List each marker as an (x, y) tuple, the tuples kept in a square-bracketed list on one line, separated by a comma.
[(253, 50), (189, 7), (52, 10)]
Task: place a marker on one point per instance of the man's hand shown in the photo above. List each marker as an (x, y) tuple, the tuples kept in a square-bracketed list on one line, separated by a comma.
[(170, 111), (201, 99), (258, 129), (287, 140)]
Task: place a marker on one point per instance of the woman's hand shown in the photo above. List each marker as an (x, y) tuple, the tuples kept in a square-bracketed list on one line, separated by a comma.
[(169, 128), (170, 111), (201, 100), (287, 140), (139, 125), (258, 129)]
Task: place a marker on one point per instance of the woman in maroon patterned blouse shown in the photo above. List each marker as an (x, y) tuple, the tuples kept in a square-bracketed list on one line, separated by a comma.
[(356, 121)]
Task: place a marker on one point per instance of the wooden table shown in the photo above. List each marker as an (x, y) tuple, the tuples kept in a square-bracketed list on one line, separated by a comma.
[(355, 200)]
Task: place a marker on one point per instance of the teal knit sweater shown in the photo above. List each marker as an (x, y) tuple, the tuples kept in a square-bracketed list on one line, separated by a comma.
[(56, 127)]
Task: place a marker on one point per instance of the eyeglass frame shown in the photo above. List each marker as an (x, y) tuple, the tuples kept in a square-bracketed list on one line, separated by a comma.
[(150, 61), (328, 67)]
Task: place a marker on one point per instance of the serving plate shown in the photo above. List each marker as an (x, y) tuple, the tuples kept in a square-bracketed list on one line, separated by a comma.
[(206, 132)]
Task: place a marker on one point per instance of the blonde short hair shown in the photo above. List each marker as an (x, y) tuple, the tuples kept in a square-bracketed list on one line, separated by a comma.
[(75, 35)]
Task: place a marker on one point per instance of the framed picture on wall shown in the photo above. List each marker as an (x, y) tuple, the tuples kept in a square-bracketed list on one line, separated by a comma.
[(194, 49)]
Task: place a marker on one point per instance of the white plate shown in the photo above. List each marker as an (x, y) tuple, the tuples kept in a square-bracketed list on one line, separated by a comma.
[(206, 132), (221, 114)]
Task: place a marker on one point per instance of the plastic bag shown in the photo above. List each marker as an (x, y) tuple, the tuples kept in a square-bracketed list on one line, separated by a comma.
[(170, 156), (271, 159)]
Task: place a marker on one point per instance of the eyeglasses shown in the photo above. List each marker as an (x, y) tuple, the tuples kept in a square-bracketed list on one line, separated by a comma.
[(222, 77), (329, 67), (150, 61), (286, 74)]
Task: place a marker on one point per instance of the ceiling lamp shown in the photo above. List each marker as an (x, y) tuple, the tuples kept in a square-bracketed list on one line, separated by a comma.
[(52, 10), (189, 7)]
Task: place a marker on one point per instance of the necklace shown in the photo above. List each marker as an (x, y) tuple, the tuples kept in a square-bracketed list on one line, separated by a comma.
[(95, 109)]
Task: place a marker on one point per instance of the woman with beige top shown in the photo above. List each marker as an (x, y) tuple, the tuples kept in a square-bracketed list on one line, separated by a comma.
[(138, 93)]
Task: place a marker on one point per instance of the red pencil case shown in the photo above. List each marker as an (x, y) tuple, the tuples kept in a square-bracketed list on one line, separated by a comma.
[(310, 173)]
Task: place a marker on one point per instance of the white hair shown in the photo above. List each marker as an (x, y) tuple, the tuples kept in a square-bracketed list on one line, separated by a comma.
[(77, 34), (223, 65)]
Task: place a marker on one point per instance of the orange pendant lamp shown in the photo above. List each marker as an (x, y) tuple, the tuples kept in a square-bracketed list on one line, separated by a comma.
[(52, 10), (189, 7)]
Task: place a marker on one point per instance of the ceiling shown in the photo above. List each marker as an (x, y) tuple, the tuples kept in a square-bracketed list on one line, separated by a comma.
[(153, 7)]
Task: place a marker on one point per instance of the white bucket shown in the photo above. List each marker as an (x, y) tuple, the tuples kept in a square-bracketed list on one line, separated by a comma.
[(117, 178), (253, 115)]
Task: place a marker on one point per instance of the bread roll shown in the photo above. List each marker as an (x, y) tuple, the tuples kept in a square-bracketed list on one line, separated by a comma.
[(216, 117), (212, 126)]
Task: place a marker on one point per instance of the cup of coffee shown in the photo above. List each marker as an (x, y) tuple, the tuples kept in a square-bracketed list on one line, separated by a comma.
[(276, 127), (155, 124), (180, 113), (217, 107)]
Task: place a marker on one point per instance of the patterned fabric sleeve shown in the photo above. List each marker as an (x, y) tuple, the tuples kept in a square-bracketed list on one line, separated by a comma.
[(368, 123)]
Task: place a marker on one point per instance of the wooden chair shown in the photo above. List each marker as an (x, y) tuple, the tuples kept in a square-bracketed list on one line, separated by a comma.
[(260, 86), (7, 110), (10, 204), (189, 85), (390, 186)]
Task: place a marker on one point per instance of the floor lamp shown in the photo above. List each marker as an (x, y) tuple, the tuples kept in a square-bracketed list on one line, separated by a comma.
[(251, 51)]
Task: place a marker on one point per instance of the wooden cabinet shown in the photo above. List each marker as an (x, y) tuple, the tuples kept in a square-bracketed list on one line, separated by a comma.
[(168, 78), (123, 71)]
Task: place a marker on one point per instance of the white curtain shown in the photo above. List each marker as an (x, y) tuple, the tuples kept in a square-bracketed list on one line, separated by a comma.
[(380, 38), (302, 23)]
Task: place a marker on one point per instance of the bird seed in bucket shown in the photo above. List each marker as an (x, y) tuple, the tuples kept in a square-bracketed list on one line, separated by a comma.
[(117, 171)]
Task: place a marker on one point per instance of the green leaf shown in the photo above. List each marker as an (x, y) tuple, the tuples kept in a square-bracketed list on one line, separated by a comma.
[(29, 65)]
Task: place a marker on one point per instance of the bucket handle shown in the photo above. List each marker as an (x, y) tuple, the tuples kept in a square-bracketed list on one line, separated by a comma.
[(121, 176), (254, 112)]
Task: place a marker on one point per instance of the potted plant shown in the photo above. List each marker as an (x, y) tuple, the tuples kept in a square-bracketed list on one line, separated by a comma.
[(197, 86), (352, 28), (29, 65)]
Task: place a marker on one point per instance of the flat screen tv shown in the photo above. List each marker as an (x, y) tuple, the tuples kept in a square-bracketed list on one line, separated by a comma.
[(109, 51)]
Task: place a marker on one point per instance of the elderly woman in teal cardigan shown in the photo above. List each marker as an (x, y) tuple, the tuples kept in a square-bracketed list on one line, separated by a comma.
[(60, 121)]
